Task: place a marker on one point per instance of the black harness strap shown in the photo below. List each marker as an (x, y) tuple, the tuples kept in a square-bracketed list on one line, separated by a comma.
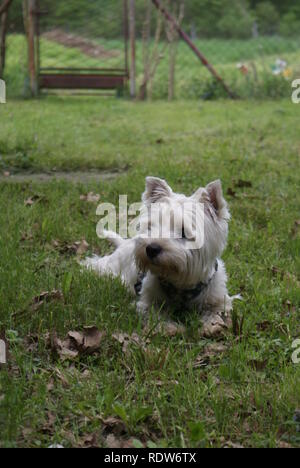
[(178, 295)]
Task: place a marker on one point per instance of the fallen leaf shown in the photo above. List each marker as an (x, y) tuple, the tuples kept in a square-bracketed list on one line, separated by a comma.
[(43, 298), (171, 329), (113, 425), (89, 441), (91, 197), (49, 425), (76, 343), (118, 443), (26, 236), (283, 445), (64, 348), (77, 248), (26, 432), (258, 365), (285, 275), (82, 247), (296, 229), (242, 183), (232, 445), (32, 200), (214, 349), (263, 326), (92, 339), (126, 340), (211, 350), (231, 192)]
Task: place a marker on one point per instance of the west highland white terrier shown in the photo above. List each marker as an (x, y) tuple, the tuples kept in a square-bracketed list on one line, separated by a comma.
[(174, 260)]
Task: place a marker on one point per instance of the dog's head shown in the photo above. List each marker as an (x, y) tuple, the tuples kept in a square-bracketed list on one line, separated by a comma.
[(180, 237)]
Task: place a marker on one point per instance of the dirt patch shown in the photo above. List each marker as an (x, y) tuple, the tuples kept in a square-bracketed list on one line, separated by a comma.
[(86, 46), (75, 176)]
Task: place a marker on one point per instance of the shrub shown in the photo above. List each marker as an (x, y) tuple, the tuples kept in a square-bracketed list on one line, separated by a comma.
[(267, 18), (290, 25)]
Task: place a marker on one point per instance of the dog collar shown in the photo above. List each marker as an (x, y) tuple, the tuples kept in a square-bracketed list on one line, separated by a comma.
[(185, 295)]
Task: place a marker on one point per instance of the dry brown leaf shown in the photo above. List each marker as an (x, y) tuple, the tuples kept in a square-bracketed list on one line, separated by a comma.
[(283, 445), (92, 339), (32, 200), (76, 343), (231, 192), (285, 275), (82, 247), (258, 365), (171, 329), (63, 348), (295, 229), (126, 340), (26, 432), (49, 426), (26, 236), (118, 443), (46, 297), (232, 445), (214, 349), (77, 248), (263, 326), (91, 197), (113, 425), (242, 183), (89, 441)]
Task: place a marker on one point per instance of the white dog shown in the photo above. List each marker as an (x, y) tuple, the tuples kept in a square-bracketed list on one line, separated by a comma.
[(182, 269)]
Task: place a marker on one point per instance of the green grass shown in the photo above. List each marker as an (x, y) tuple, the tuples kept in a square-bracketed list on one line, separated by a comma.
[(192, 79), (158, 394)]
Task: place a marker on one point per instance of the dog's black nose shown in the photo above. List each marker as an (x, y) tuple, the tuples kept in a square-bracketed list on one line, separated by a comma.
[(153, 250)]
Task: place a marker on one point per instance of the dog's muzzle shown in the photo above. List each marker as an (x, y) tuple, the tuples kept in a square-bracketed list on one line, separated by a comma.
[(153, 250)]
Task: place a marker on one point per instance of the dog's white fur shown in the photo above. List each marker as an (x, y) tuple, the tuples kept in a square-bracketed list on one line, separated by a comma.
[(181, 267)]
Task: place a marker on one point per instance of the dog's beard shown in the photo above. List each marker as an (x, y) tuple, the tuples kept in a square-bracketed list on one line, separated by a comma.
[(169, 264), (177, 265)]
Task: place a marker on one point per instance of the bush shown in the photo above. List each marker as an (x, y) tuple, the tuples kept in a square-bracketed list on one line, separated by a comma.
[(267, 18), (236, 22), (290, 25)]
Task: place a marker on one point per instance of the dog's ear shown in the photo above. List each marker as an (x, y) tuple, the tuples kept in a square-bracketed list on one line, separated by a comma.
[(216, 198), (213, 194), (156, 189)]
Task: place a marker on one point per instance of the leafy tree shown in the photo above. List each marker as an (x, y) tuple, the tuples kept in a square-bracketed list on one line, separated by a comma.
[(267, 17)]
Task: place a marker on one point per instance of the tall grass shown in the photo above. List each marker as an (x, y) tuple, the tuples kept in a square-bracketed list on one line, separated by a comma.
[(192, 79)]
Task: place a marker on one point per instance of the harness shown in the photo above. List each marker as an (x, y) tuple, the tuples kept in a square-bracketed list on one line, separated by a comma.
[(178, 296)]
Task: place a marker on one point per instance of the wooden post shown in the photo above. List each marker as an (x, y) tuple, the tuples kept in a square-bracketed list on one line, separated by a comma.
[(5, 6), (31, 8), (3, 29), (126, 35), (132, 48)]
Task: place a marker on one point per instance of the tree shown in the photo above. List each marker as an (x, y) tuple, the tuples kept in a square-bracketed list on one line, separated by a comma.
[(267, 18)]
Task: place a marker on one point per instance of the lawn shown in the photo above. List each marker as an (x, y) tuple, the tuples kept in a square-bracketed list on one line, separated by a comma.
[(164, 391)]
